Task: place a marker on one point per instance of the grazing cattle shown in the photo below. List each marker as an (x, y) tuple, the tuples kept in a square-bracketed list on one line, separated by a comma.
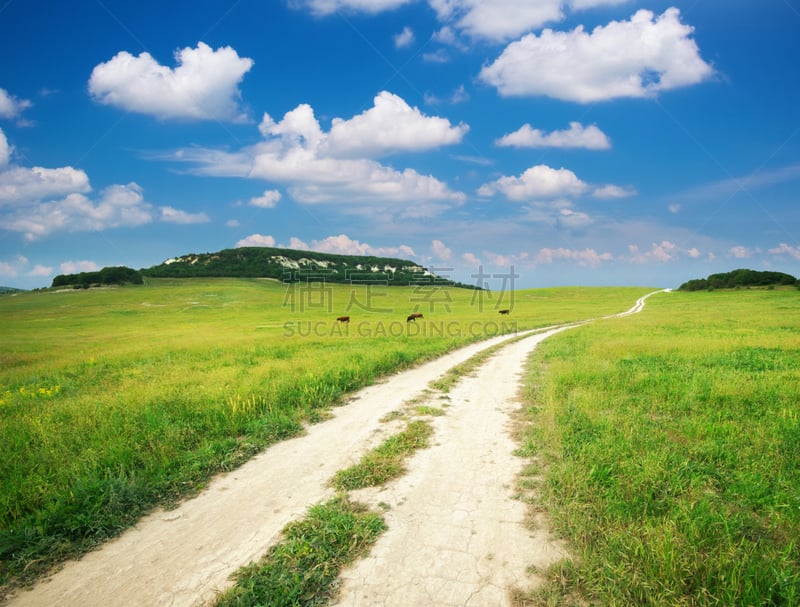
[(506, 311), (343, 319), (414, 316)]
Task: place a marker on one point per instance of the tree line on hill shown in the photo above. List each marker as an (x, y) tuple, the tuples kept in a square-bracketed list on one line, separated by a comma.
[(116, 275), (740, 278)]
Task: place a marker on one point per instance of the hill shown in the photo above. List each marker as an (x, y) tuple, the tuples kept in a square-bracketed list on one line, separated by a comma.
[(4, 290), (291, 265), (740, 278)]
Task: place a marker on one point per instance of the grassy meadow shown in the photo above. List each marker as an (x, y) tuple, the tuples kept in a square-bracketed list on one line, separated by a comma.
[(116, 400), (668, 452)]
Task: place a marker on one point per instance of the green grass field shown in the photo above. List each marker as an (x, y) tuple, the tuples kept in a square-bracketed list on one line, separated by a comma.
[(670, 444), (114, 401)]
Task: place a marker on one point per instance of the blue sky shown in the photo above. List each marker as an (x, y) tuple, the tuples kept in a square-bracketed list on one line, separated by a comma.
[(579, 142)]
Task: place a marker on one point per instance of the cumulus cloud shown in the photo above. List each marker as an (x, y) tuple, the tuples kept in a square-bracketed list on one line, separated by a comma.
[(460, 95), (35, 183), (660, 252), (118, 206), (40, 270), (440, 251), (344, 245), (578, 5), (577, 136), (267, 200), (12, 268), (636, 58), (471, 259), (613, 191), (340, 244), (739, 252), (203, 86), (404, 38), (586, 257), (538, 182), (10, 106), (75, 267), (172, 215), (497, 20), (786, 249), (5, 150), (256, 240), (321, 167), (573, 220), (328, 7), (38, 201), (391, 125)]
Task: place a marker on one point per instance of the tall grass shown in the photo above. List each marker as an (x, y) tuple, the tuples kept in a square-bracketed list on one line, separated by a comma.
[(114, 401), (301, 570), (672, 443)]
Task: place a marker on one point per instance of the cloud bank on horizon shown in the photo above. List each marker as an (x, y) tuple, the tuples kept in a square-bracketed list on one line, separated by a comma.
[(580, 141)]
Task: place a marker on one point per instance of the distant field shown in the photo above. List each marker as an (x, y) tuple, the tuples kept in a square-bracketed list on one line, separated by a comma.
[(115, 400), (671, 441)]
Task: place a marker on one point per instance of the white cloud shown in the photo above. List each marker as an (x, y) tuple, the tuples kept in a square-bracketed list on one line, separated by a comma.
[(577, 136), (497, 20), (404, 38), (341, 244), (296, 243), (613, 191), (232, 223), (509, 261), (344, 245), (440, 251), (577, 5), (786, 249), (203, 86), (390, 125), (256, 240), (573, 220), (10, 106), (267, 200), (13, 268), (40, 270), (328, 7), (321, 167), (460, 95), (75, 267), (172, 215), (5, 150), (438, 56), (739, 252), (538, 182), (21, 184), (659, 252), (118, 206), (586, 257), (635, 58), (471, 259)]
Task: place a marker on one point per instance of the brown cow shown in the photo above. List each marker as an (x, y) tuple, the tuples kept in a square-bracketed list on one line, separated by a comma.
[(506, 311), (343, 319), (414, 316)]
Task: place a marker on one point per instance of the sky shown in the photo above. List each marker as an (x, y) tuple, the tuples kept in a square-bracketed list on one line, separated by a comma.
[(535, 143)]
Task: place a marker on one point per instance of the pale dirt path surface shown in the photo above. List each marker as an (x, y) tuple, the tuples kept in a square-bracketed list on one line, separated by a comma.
[(456, 536), (184, 557)]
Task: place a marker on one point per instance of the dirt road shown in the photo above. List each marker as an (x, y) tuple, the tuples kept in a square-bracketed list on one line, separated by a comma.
[(455, 537)]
